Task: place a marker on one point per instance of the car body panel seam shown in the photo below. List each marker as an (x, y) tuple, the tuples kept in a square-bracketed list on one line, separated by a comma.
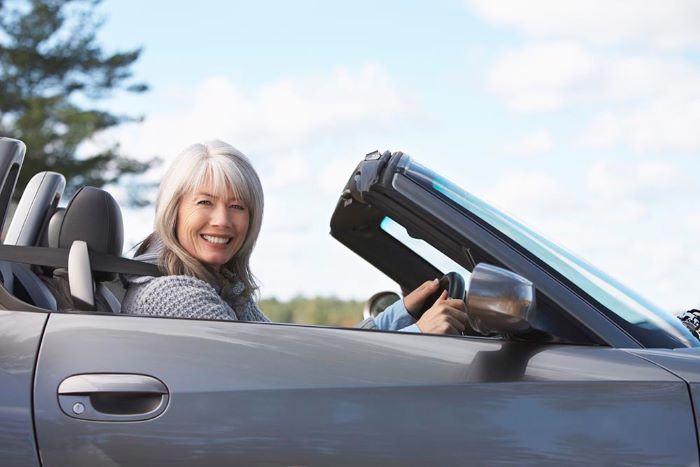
[(688, 388), (33, 388)]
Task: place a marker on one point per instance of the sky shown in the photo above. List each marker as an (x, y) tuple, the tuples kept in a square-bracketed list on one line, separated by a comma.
[(580, 118)]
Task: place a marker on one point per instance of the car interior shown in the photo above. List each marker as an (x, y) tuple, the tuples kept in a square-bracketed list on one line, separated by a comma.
[(32, 279)]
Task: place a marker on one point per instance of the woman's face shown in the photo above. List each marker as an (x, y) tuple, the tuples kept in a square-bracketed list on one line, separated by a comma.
[(211, 226)]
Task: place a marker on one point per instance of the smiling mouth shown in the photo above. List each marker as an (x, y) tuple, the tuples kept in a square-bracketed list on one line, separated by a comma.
[(217, 240)]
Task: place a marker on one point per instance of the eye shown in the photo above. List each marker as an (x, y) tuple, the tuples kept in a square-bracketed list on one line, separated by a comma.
[(204, 202), (238, 207)]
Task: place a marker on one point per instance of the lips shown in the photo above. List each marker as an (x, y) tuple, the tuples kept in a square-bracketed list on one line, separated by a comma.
[(216, 239)]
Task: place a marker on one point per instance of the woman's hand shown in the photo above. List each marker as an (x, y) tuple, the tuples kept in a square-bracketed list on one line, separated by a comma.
[(446, 316), (415, 300)]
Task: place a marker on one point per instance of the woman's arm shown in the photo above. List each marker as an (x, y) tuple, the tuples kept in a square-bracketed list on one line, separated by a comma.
[(395, 317), (446, 316)]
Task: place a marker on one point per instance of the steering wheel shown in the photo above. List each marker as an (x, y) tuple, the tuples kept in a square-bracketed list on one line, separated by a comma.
[(453, 282)]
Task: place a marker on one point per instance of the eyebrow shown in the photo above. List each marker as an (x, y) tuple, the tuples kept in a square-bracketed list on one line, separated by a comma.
[(209, 195)]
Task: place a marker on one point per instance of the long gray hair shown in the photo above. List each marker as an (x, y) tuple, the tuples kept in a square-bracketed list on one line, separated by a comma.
[(227, 170)]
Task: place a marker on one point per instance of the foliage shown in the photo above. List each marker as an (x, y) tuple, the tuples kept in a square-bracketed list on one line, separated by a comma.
[(324, 311), (51, 69)]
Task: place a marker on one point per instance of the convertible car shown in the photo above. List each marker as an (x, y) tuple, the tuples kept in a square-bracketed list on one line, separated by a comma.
[(560, 364)]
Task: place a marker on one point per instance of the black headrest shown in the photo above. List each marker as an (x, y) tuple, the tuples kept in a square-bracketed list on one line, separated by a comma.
[(92, 215)]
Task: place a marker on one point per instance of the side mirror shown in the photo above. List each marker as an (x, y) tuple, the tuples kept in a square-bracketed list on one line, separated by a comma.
[(500, 301), (378, 303)]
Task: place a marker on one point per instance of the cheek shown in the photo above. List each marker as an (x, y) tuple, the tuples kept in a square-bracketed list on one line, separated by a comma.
[(243, 223), (187, 226)]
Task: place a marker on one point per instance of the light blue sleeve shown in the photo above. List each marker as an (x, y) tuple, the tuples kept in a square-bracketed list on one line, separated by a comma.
[(396, 318)]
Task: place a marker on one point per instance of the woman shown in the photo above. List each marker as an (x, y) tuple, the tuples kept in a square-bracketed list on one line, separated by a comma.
[(209, 211)]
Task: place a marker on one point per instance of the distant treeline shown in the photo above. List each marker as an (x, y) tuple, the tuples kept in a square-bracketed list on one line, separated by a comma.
[(324, 311)]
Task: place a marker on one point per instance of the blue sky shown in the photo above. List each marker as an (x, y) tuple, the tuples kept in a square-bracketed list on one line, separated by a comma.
[(580, 118)]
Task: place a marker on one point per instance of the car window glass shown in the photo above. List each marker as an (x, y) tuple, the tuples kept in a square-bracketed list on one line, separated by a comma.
[(424, 249)]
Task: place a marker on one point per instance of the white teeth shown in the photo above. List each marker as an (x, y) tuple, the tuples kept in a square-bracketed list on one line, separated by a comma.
[(219, 240)]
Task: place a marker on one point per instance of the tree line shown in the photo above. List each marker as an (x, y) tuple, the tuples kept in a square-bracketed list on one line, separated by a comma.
[(322, 311)]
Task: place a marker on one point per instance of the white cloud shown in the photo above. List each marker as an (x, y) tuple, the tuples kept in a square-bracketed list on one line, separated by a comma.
[(542, 76), (538, 142), (545, 76), (138, 223), (651, 104), (659, 175), (671, 24), (285, 171), (663, 270), (664, 123), (620, 182), (530, 194), (334, 175), (693, 222), (608, 181), (291, 129), (275, 118)]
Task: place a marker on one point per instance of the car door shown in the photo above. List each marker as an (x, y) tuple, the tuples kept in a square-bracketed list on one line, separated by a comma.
[(20, 334), (160, 391)]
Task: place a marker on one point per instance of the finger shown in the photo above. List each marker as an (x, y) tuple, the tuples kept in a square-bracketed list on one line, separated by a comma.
[(455, 324), (456, 314), (414, 300), (455, 303), (435, 309), (427, 289)]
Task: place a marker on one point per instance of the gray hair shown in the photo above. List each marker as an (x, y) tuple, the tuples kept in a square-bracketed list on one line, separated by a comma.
[(227, 169)]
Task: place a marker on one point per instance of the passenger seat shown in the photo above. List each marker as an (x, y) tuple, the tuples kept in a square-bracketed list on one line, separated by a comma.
[(92, 216)]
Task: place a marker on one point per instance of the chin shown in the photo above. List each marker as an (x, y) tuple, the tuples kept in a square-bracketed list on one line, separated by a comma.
[(215, 262)]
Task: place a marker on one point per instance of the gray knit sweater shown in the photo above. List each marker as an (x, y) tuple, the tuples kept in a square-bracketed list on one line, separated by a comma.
[(187, 297)]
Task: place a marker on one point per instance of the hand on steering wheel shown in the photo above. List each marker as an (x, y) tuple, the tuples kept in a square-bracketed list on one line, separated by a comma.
[(448, 314)]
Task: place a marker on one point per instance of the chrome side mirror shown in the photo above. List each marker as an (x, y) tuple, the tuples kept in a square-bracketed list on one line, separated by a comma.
[(500, 301), (378, 303)]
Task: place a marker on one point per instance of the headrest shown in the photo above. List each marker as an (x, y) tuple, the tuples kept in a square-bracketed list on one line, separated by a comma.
[(92, 215), (51, 235)]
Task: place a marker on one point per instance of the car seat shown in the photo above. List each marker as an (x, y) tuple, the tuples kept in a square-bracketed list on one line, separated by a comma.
[(21, 288), (92, 221), (31, 217)]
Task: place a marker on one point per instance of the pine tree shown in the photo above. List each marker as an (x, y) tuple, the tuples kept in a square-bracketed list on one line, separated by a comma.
[(51, 70)]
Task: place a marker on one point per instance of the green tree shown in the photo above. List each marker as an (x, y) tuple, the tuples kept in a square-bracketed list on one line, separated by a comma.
[(51, 70)]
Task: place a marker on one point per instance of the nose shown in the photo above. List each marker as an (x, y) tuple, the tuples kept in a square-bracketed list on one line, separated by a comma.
[(220, 216)]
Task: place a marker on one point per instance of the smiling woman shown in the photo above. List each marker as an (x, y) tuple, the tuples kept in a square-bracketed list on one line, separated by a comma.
[(208, 216)]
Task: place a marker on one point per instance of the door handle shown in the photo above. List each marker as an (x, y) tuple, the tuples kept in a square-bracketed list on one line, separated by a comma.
[(112, 397)]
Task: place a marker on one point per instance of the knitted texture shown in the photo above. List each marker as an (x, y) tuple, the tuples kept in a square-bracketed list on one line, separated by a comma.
[(188, 297)]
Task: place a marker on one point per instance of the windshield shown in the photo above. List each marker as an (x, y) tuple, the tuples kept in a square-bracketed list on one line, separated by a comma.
[(632, 312)]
